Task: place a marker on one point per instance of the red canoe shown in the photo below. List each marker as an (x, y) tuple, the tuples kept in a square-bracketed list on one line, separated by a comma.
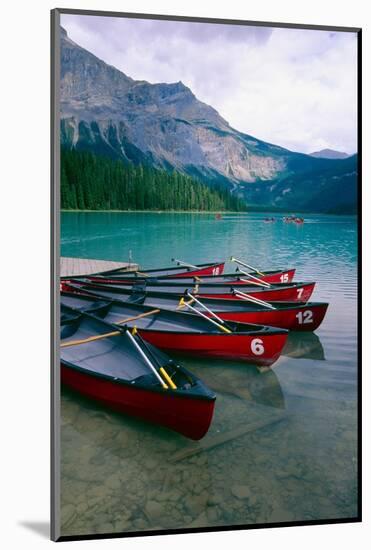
[(279, 276), (303, 317), (124, 382), (299, 317), (181, 333), (198, 270), (291, 292)]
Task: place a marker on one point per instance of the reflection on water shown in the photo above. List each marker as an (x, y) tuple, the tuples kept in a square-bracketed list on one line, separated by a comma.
[(246, 384), (306, 345), (282, 445)]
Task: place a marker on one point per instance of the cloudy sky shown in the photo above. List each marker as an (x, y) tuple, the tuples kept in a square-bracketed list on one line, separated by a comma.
[(294, 88)]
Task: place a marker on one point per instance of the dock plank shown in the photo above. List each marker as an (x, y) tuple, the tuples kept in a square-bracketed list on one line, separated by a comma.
[(75, 267)]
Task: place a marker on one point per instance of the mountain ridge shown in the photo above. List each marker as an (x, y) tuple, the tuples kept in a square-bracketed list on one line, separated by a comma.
[(165, 126), (330, 154)]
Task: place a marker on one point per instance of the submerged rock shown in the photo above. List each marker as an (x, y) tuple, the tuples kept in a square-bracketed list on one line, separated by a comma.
[(154, 510), (150, 463), (200, 521), (241, 491), (213, 514)]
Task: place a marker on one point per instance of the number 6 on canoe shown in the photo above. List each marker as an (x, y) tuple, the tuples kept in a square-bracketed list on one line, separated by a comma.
[(257, 346)]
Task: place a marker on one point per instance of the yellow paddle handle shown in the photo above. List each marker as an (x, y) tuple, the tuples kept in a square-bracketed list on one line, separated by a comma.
[(183, 303), (90, 339), (161, 369), (167, 378)]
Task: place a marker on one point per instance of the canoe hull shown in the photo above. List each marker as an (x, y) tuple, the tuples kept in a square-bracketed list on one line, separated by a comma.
[(298, 293), (283, 276), (188, 416), (257, 349), (216, 269), (116, 278), (303, 319), (286, 276), (293, 292), (297, 317), (216, 276), (279, 277)]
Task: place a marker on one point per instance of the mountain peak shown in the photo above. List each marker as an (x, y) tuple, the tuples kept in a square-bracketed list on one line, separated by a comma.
[(329, 154)]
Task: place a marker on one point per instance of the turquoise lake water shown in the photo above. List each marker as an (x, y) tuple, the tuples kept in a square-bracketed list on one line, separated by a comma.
[(119, 474)]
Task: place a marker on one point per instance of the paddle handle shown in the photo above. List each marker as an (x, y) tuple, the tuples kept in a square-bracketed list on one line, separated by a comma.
[(108, 334), (237, 261), (155, 359), (252, 282), (167, 378), (249, 298), (224, 329), (180, 262), (256, 280), (153, 369), (90, 339), (129, 319), (206, 308)]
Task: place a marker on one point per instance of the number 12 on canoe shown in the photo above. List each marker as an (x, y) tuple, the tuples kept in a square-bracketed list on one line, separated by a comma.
[(305, 317)]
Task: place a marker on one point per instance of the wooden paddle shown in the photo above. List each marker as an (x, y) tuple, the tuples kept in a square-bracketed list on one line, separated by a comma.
[(152, 312), (90, 339), (108, 334)]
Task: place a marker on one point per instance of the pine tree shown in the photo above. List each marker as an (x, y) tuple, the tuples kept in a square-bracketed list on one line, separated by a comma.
[(100, 183)]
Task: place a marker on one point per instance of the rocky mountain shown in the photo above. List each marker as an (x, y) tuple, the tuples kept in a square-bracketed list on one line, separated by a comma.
[(327, 187), (329, 154), (164, 125)]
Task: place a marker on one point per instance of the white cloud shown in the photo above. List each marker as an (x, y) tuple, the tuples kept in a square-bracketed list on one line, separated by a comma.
[(295, 88)]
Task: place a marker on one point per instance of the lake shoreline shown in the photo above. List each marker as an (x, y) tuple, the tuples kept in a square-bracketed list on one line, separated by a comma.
[(203, 212), (159, 211)]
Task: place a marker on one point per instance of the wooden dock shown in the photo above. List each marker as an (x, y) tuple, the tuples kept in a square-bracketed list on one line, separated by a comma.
[(76, 267)]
